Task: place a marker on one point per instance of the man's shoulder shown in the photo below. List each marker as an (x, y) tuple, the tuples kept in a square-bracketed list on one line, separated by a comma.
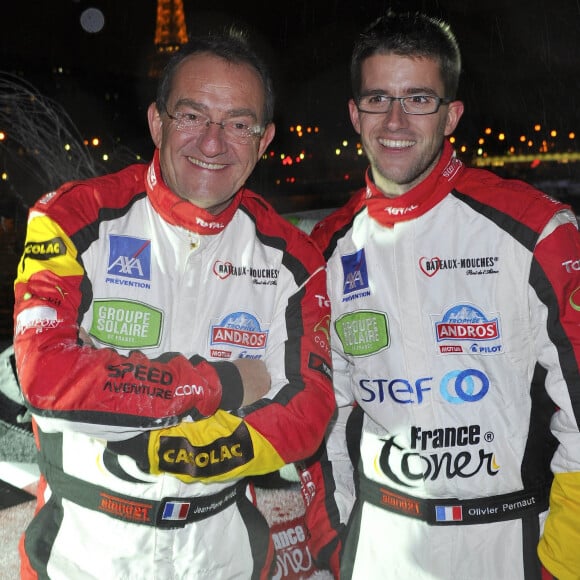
[(109, 189), (338, 222), (512, 198), (279, 230)]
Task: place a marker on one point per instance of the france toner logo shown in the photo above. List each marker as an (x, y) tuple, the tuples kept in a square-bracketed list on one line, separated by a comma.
[(129, 257), (356, 279)]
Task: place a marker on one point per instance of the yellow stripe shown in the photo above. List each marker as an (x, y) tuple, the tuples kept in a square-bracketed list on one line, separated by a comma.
[(205, 432), (41, 231)]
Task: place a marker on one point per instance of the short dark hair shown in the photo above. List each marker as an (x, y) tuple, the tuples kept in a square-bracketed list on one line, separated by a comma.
[(409, 34), (233, 46)]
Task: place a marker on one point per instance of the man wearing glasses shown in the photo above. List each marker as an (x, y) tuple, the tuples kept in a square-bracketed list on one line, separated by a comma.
[(455, 335), (168, 333)]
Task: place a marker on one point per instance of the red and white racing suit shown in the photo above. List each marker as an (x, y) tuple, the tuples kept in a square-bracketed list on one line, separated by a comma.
[(456, 341), (169, 295)]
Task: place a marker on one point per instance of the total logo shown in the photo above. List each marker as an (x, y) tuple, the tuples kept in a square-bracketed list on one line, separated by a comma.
[(456, 387), (465, 328)]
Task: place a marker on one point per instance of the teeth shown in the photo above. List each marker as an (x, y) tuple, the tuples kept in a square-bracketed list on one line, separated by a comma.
[(396, 144), (204, 165)]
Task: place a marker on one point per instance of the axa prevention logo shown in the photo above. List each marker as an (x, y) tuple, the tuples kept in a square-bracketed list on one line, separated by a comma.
[(356, 278), (129, 257)]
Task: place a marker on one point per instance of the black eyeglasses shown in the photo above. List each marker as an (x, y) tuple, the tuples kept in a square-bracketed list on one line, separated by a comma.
[(412, 105)]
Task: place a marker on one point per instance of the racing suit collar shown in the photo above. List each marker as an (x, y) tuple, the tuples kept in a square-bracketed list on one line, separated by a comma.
[(180, 212), (420, 198)]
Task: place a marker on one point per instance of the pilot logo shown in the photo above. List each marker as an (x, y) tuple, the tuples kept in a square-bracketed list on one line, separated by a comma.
[(356, 280), (129, 257)]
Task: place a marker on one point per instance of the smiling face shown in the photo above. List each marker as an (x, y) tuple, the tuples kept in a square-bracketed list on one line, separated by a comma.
[(403, 149), (206, 168)]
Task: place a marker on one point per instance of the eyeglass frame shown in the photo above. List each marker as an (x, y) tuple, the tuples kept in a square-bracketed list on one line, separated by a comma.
[(255, 131), (440, 101)]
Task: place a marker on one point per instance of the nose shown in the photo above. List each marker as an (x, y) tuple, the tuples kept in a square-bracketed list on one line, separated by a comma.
[(211, 141), (396, 116)]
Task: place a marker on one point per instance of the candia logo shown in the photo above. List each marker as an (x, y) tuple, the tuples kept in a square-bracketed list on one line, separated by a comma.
[(239, 329), (178, 455), (129, 257), (45, 250)]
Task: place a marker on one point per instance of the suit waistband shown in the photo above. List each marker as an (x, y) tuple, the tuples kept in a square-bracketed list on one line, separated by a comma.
[(453, 511), (168, 512)]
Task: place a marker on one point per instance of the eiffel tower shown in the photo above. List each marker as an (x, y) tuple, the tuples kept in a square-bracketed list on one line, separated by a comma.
[(170, 33)]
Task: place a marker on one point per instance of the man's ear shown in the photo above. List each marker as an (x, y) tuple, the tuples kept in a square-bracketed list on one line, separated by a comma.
[(454, 112), (155, 124), (354, 115), (266, 138)]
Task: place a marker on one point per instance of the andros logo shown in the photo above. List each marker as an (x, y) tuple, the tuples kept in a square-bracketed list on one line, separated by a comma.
[(239, 329)]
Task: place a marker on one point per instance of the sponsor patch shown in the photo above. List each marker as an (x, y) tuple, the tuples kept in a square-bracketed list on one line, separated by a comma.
[(178, 455), (471, 266), (45, 250), (126, 324), (129, 257), (363, 332), (356, 279), (239, 329), (465, 328), (129, 510), (40, 318)]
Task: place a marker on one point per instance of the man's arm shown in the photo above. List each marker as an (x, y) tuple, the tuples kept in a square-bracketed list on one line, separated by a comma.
[(556, 284), (68, 384), (286, 426)]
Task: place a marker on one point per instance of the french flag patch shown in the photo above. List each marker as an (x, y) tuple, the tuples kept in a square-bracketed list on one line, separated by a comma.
[(175, 510), (448, 513)]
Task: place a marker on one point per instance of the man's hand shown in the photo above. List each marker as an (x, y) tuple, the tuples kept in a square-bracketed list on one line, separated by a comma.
[(255, 377)]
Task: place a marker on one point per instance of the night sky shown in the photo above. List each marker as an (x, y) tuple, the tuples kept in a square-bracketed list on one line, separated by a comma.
[(521, 57), (521, 67)]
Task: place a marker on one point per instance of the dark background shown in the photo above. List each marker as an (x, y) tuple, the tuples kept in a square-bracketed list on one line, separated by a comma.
[(521, 68)]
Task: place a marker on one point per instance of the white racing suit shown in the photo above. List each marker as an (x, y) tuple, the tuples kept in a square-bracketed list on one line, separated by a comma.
[(131, 305), (456, 340)]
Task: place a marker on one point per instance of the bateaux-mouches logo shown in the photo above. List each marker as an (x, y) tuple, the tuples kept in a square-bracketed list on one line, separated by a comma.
[(464, 328), (129, 257), (356, 279), (239, 329)]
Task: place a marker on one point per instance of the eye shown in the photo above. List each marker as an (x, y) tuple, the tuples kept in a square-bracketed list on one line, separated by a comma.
[(239, 126), (376, 99), (421, 99), (190, 117)]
